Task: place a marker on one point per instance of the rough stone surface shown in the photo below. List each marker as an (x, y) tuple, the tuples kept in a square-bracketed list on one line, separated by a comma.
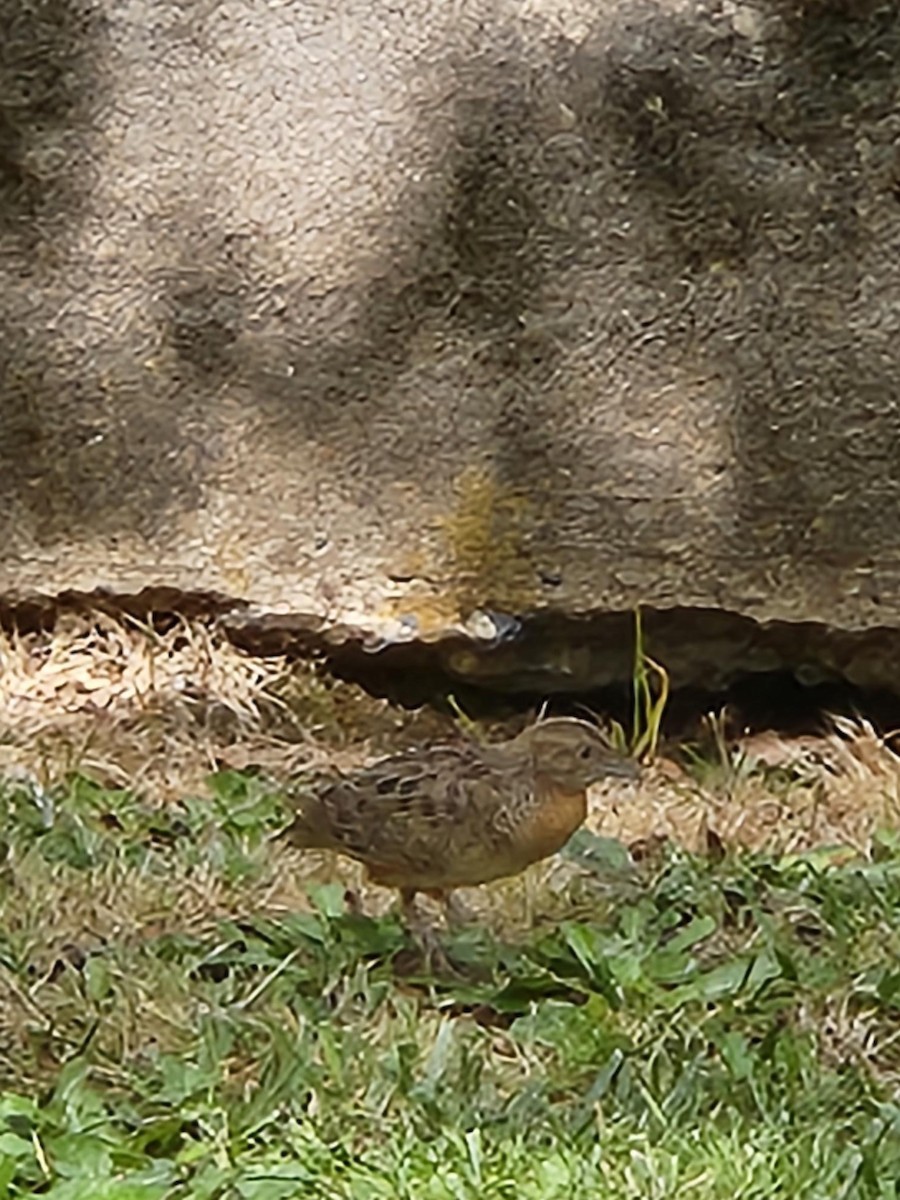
[(385, 311)]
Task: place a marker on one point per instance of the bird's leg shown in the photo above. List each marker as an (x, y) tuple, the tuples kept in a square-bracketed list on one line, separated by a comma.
[(423, 932), (454, 910)]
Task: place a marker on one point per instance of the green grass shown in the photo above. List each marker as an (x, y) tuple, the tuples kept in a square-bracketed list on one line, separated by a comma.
[(726, 1029), (650, 695)]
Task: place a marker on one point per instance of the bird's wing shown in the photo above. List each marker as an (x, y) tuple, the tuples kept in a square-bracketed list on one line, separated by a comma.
[(422, 810)]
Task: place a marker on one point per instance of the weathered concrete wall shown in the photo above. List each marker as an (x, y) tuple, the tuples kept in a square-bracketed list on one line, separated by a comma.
[(375, 308)]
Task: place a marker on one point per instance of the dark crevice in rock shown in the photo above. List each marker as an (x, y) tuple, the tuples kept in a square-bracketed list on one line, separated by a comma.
[(159, 606), (776, 673)]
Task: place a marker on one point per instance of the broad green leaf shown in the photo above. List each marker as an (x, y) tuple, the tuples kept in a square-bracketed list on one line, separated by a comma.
[(691, 934), (97, 978)]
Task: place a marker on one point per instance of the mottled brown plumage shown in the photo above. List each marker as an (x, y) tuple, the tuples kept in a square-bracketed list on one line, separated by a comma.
[(448, 816)]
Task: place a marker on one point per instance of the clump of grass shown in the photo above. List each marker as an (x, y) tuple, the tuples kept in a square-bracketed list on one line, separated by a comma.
[(650, 695), (722, 765)]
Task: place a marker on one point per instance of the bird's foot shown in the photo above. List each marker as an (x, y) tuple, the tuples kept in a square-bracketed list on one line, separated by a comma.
[(456, 911), (426, 938), (434, 956)]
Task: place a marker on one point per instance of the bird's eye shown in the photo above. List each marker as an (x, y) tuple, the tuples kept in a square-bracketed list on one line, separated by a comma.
[(584, 752)]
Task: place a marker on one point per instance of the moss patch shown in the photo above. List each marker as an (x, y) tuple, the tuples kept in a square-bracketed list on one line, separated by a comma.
[(485, 536)]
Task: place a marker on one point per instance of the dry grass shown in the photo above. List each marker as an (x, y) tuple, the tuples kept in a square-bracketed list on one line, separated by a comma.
[(765, 791), (131, 706), (123, 703)]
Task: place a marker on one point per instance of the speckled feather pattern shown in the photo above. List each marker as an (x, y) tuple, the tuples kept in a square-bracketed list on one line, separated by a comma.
[(446, 816)]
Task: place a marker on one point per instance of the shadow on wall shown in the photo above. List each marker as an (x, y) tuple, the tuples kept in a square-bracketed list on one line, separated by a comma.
[(771, 171), (74, 452), (463, 261), (47, 86), (752, 172), (732, 168)]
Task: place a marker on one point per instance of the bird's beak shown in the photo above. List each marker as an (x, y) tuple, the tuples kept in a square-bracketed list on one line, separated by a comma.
[(624, 768)]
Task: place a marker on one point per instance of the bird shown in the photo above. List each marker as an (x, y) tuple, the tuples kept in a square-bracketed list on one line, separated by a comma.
[(448, 815)]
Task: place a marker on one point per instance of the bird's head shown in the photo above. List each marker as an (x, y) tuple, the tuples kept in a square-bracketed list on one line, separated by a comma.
[(574, 753)]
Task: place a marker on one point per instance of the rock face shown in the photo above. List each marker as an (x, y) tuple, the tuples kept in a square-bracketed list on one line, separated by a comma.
[(392, 310)]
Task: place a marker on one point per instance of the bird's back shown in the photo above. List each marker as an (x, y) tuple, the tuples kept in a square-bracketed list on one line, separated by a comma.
[(445, 816)]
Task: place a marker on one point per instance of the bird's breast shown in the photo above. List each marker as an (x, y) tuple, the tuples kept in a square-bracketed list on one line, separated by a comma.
[(549, 824)]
